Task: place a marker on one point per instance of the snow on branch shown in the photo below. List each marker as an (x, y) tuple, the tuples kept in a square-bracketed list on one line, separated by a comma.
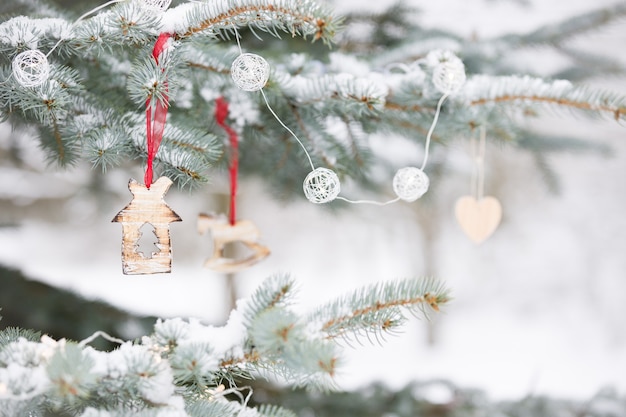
[(179, 369), (306, 18), (353, 94), (23, 32), (529, 91)]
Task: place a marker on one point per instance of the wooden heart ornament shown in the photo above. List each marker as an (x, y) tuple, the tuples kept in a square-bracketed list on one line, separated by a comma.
[(478, 218)]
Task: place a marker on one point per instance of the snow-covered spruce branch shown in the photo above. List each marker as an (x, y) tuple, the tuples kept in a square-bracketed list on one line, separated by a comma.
[(305, 18), (185, 368), (355, 95), (276, 292), (23, 32), (378, 308), (126, 23), (520, 92), (131, 23), (527, 91)]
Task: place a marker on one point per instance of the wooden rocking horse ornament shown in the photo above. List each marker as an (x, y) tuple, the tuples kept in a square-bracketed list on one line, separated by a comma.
[(223, 232)]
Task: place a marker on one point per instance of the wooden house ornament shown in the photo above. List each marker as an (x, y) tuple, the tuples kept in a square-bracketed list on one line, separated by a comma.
[(147, 206)]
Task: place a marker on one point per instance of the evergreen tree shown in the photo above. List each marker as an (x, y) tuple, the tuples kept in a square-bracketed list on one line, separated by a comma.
[(86, 93)]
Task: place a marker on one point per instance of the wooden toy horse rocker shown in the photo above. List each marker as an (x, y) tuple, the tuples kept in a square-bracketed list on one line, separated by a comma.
[(223, 232)]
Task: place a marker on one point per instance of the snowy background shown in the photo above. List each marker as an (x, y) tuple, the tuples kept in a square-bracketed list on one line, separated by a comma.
[(539, 308)]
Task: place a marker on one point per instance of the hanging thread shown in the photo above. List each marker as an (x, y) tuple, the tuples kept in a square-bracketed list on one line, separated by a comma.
[(155, 115), (221, 112), (478, 174)]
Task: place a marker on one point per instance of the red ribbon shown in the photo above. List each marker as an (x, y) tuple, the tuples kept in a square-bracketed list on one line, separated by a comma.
[(155, 123), (221, 112)]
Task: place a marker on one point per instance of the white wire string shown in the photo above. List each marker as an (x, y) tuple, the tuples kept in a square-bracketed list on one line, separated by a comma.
[(432, 128), (376, 203), (426, 151), (287, 128), (102, 334), (221, 392)]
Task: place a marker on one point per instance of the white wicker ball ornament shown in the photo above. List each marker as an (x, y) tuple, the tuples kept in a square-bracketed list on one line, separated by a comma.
[(250, 72), (161, 5), (321, 186), (31, 68), (449, 75), (410, 183)]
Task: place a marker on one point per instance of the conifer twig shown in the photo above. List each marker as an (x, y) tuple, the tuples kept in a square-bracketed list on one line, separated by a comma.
[(617, 111)]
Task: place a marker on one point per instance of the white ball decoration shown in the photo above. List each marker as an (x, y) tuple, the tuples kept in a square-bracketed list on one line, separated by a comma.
[(160, 5), (449, 74), (410, 183), (31, 68), (321, 186), (250, 72)]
